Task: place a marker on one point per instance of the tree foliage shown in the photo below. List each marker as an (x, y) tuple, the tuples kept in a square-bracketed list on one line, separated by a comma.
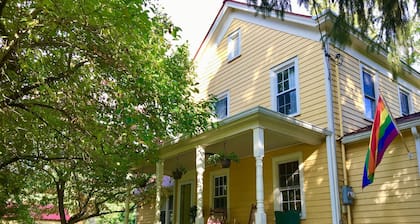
[(391, 25), (88, 90)]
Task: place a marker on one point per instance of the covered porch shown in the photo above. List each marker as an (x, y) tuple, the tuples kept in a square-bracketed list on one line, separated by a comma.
[(250, 135)]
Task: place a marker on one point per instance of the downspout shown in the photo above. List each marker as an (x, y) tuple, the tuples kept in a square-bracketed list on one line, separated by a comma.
[(330, 141), (343, 147)]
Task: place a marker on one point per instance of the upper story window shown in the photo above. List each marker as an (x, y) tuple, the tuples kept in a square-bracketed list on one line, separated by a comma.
[(234, 45), (404, 102), (288, 183), (369, 95), (284, 87), (222, 106)]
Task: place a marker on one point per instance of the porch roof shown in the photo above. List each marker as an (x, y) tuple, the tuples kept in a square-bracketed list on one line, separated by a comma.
[(403, 123), (279, 131)]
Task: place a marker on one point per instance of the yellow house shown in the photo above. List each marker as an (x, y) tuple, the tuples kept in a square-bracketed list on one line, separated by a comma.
[(297, 113)]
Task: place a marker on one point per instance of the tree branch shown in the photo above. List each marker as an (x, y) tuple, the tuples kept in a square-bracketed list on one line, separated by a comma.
[(35, 158), (39, 117), (25, 90)]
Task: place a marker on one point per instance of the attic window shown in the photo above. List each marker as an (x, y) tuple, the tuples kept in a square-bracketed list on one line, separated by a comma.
[(234, 45)]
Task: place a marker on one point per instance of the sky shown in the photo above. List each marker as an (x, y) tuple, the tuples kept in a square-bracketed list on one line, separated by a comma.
[(195, 17)]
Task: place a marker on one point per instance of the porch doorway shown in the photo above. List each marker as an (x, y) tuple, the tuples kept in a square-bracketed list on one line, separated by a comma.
[(185, 203)]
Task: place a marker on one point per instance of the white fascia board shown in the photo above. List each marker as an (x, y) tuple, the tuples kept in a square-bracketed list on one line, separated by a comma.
[(299, 25)]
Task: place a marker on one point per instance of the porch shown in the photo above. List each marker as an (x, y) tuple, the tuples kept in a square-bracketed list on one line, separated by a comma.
[(250, 135)]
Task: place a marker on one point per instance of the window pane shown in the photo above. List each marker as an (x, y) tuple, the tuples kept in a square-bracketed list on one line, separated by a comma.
[(286, 91), (368, 85), (234, 46), (370, 108), (292, 77), (221, 108), (289, 186), (404, 104)]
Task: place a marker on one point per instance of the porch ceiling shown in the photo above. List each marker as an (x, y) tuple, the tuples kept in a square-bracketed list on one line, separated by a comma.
[(235, 134)]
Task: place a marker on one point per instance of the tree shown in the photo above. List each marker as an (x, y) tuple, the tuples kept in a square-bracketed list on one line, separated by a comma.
[(88, 92), (390, 25)]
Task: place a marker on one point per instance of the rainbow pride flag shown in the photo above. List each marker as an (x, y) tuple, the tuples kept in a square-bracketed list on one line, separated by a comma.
[(383, 133)]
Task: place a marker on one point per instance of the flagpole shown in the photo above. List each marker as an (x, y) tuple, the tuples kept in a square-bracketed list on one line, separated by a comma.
[(395, 123)]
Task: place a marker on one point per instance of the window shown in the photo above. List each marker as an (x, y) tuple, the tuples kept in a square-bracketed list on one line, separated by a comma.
[(222, 106), (167, 208), (284, 87), (234, 45), (220, 192), (404, 102), (288, 183), (369, 95)]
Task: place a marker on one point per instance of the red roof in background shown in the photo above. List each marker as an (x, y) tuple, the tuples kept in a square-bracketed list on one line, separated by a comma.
[(48, 213)]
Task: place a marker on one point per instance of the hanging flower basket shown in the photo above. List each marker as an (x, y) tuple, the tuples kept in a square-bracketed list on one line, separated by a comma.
[(178, 172), (223, 158)]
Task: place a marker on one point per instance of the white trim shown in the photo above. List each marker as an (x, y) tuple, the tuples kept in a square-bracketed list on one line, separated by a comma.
[(276, 188), (292, 24), (273, 83), (232, 46), (297, 25), (405, 91)]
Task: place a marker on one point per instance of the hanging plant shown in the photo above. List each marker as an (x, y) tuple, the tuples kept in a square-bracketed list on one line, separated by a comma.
[(223, 158), (178, 172)]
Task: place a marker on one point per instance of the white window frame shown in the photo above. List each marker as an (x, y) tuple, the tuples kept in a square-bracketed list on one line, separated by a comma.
[(234, 45), (402, 90), (165, 207), (375, 87), (217, 173), (273, 79), (276, 161), (219, 97)]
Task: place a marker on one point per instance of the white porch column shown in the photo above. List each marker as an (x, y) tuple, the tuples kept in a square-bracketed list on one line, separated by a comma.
[(159, 176), (200, 167), (260, 216)]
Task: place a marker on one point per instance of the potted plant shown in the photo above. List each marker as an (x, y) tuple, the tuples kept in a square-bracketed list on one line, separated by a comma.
[(178, 172), (224, 158)]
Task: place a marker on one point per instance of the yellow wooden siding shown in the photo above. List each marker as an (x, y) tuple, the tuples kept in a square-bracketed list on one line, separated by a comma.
[(393, 197), (146, 213), (415, 101), (247, 78), (242, 186), (352, 95)]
